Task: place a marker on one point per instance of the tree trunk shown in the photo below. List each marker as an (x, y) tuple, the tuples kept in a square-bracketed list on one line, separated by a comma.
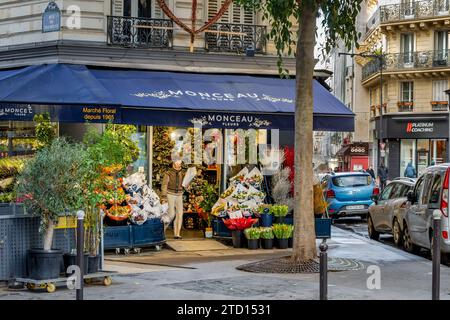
[(48, 236), (304, 247)]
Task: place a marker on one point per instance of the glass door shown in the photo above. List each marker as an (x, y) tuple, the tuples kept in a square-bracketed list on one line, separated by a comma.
[(438, 152), (408, 9), (407, 154), (423, 151), (407, 49)]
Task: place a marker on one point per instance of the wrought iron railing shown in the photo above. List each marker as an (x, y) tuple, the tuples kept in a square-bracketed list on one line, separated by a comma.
[(410, 60), (439, 106), (140, 32), (232, 37), (408, 11)]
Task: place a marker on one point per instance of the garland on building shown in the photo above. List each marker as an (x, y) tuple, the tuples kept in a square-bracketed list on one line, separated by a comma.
[(192, 30)]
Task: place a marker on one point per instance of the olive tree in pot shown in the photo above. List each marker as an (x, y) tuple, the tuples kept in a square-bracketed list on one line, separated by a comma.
[(50, 187)]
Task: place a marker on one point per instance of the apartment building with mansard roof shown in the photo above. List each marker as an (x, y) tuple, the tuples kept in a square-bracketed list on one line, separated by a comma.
[(412, 117)]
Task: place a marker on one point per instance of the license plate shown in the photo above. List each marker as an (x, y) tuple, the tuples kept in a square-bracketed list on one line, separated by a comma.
[(358, 207)]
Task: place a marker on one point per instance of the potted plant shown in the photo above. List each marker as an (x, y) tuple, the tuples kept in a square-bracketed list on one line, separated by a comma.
[(107, 156), (210, 194), (265, 215), (237, 226), (282, 232), (252, 235), (50, 186), (279, 212), (266, 235)]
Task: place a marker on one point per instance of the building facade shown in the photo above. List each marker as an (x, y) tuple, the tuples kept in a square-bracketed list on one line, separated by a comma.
[(409, 111)]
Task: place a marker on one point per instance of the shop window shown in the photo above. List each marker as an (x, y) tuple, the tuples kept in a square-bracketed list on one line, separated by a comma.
[(407, 154), (17, 138), (423, 150), (438, 151), (141, 138)]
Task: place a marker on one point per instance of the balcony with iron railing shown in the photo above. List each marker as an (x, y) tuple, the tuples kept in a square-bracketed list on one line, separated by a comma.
[(140, 32), (237, 38), (416, 10), (158, 33), (418, 60)]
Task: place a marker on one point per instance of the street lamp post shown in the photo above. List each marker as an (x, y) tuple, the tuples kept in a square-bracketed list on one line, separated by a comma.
[(379, 57)]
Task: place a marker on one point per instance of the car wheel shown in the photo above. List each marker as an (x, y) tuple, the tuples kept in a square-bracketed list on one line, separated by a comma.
[(397, 233), (408, 245), (373, 234)]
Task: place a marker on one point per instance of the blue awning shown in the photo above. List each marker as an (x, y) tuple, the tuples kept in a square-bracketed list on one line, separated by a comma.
[(76, 93)]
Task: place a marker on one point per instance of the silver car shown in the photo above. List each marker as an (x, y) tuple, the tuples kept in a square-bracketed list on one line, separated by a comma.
[(388, 211), (431, 193)]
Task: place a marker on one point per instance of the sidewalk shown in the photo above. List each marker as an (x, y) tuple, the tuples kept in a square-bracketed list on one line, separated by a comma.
[(213, 275)]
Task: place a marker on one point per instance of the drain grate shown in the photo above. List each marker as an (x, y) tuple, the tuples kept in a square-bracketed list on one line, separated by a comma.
[(286, 265)]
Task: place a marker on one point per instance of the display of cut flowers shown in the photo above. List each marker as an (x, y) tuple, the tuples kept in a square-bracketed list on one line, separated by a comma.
[(228, 192), (254, 177), (256, 194), (240, 177), (119, 213), (239, 223), (240, 193)]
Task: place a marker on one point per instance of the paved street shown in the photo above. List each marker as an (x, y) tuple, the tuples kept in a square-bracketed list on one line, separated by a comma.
[(213, 275)]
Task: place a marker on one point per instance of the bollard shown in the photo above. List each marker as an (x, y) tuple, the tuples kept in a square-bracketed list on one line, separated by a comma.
[(323, 270), (436, 255), (80, 252)]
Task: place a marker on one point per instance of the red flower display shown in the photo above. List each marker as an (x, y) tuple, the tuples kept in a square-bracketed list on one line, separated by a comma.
[(239, 223)]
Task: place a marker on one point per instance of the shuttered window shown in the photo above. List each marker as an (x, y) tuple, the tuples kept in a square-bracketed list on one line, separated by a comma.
[(439, 86), (234, 14), (137, 8)]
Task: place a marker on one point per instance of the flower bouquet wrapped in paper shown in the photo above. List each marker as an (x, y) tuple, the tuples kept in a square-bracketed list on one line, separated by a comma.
[(240, 193), (240, 177), (254, 178), (189, 176), (239, 223)]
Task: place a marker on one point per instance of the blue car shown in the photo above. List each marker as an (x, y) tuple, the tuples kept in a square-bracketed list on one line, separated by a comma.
[(349, 193)]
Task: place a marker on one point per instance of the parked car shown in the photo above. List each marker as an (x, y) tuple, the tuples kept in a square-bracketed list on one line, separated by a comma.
[(388, 210), (349, 193), (430, 193)]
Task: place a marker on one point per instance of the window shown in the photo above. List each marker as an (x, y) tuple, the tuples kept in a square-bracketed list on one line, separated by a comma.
[(438, 151), (137, 8), (418, 189), (407, 91), (352, 181), (407, 154), (234, 14), (439, 87), (387, 191), (443, 6), (425, 197), (396, 191), (407, 48), (436, 189), (405, 190)]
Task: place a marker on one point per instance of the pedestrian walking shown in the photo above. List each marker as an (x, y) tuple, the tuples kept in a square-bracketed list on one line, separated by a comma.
[(371, 172), (382, 175), (410, 171)]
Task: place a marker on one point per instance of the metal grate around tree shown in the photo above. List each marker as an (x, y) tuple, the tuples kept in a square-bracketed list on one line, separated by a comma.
[(287, 265)]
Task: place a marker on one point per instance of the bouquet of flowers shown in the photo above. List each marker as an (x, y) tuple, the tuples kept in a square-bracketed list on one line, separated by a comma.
[(254, 177), (240, 177), (239, 223)]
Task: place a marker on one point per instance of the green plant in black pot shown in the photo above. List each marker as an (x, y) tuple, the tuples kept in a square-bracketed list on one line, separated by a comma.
[(252, 235), (50, 187), (266, 235), (283, 232), (279, 212)]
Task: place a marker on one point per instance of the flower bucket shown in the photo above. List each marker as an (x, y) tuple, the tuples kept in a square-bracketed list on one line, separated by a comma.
[(265, 220), (267, 243), (283, 243), (208, 232), (253, 244), (237, 236)]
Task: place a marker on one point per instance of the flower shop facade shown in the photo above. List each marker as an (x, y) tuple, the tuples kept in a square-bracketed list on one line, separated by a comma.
[(158, 103)]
